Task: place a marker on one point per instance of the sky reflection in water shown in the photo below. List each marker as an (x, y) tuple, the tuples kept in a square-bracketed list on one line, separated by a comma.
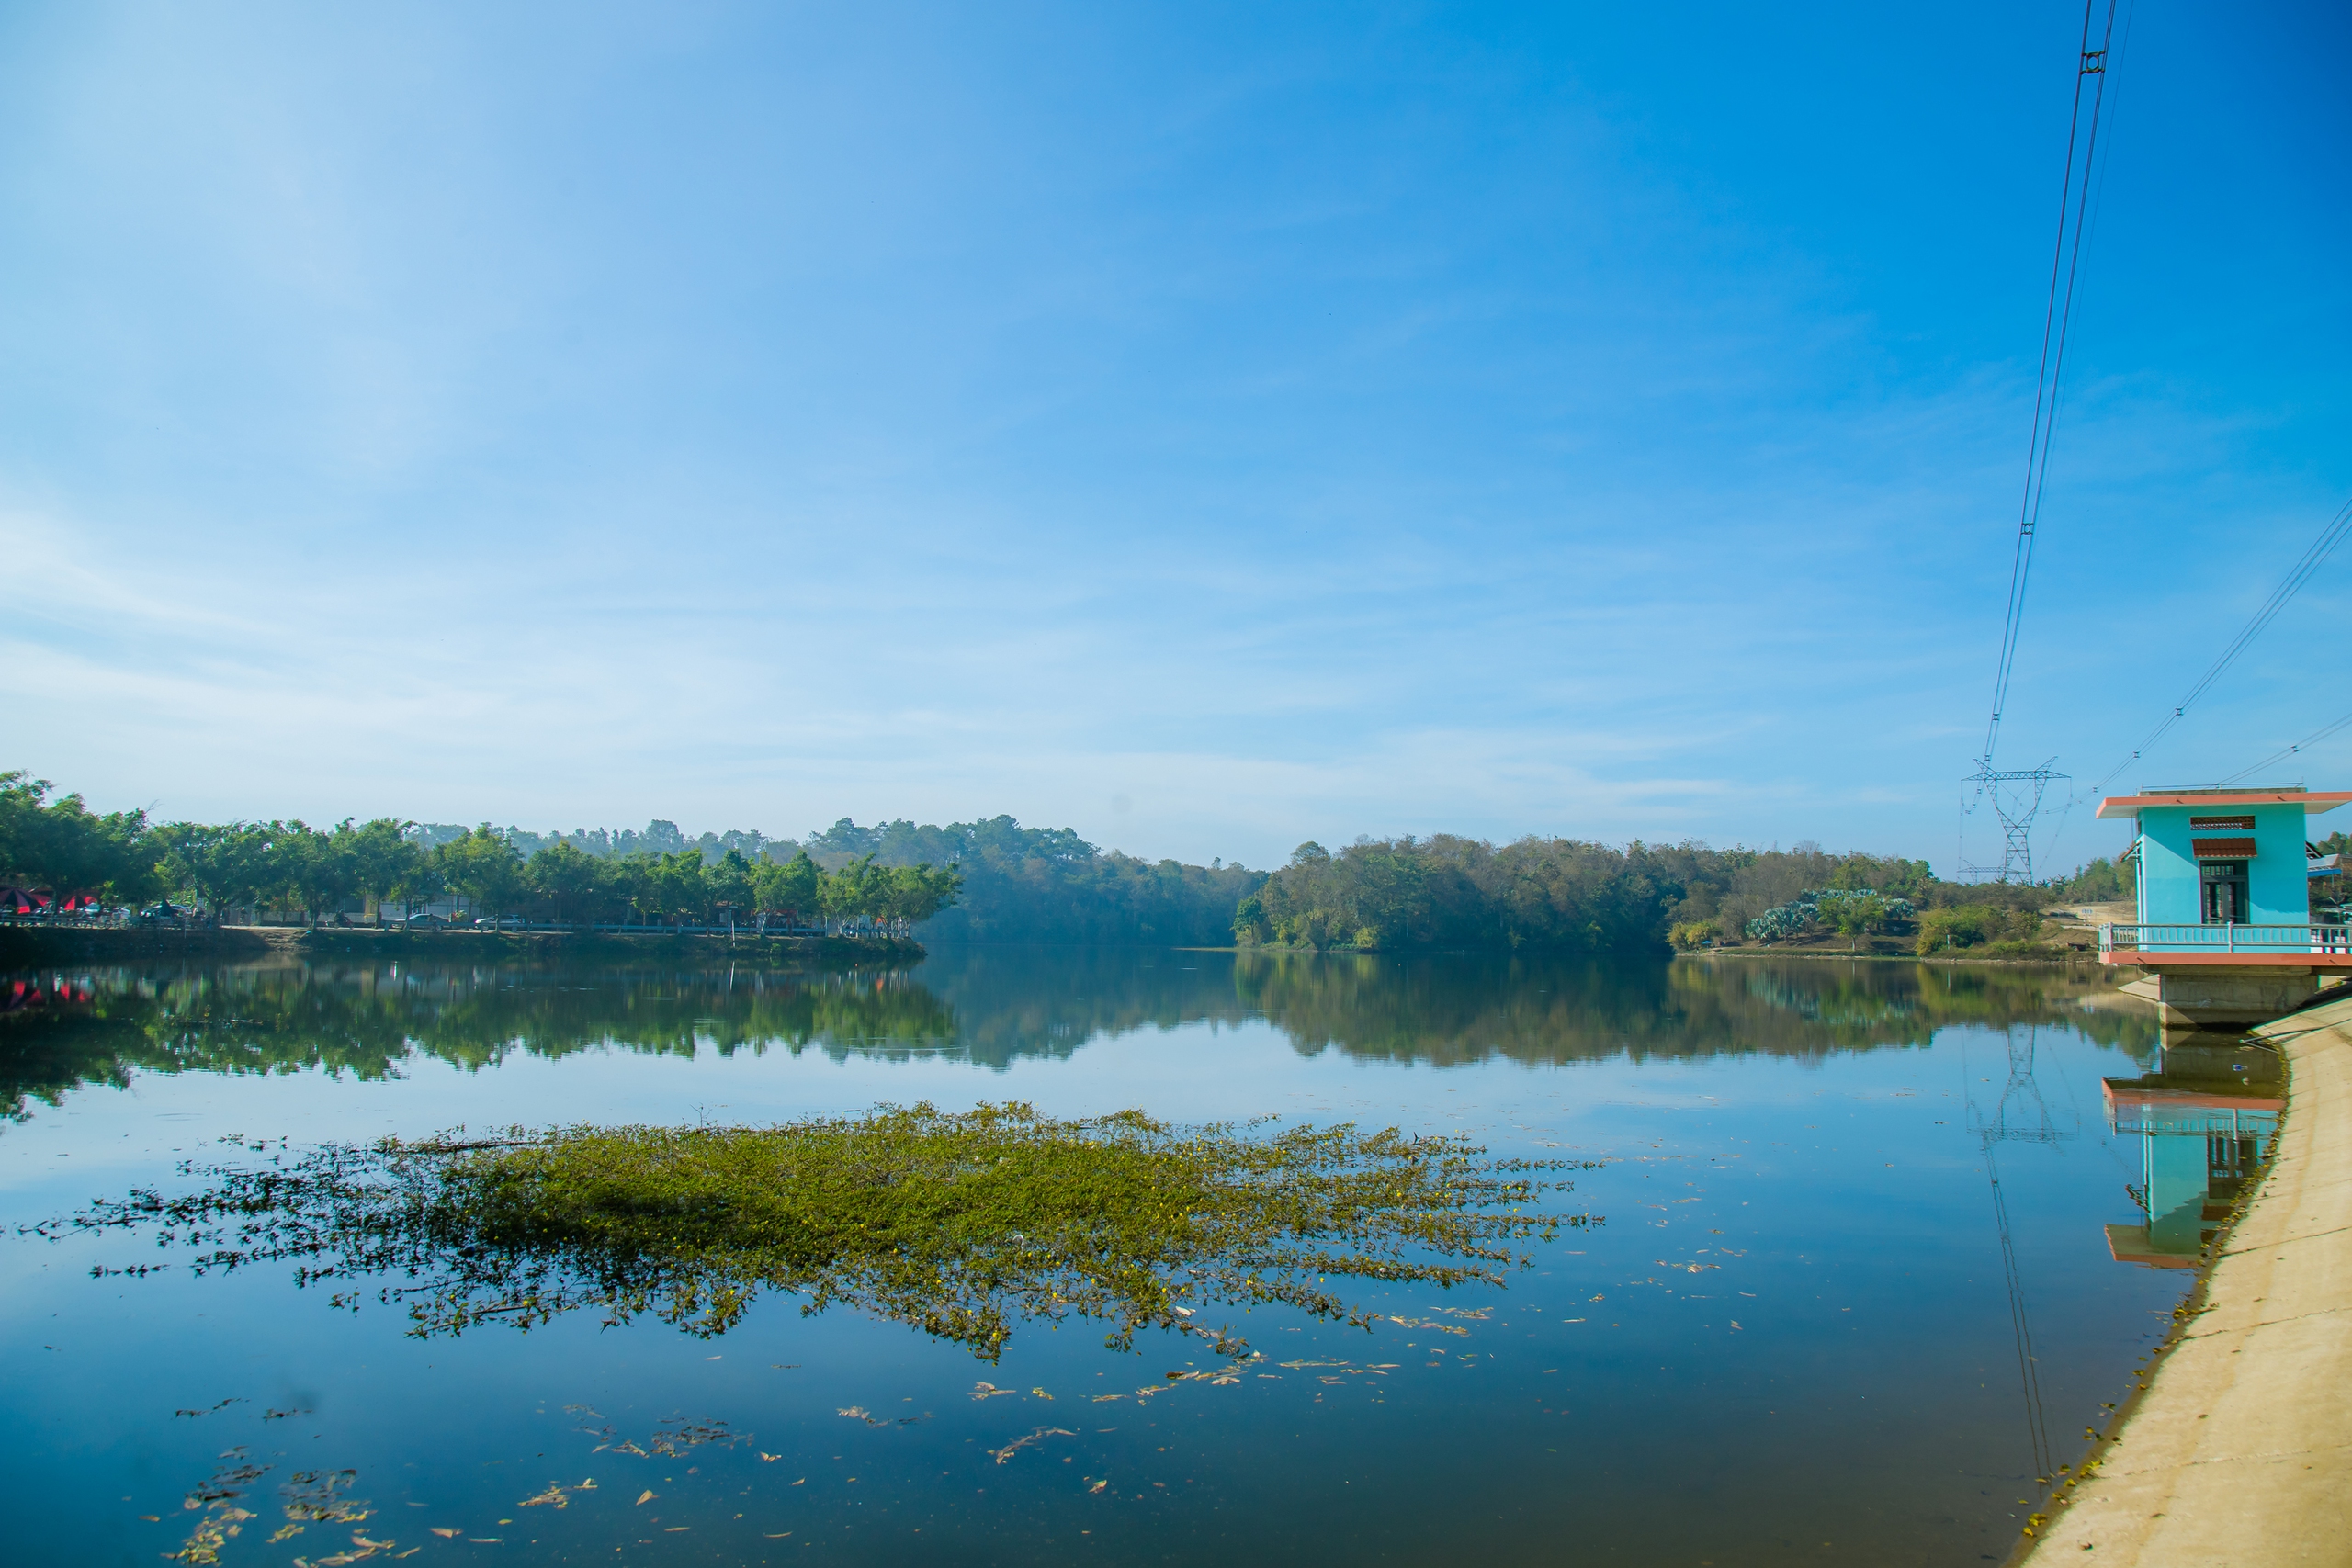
[(1790, 1342)]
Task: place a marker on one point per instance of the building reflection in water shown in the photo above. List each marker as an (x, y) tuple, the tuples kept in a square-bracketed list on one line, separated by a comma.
[(2205, 1119)]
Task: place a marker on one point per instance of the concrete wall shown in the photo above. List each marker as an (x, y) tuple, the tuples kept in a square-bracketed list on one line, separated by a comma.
[(2239, 1454), (2216, 997), (2280, 889)]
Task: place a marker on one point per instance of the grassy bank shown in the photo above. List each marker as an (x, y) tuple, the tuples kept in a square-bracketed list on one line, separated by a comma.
[(41, 947), (547, 946)]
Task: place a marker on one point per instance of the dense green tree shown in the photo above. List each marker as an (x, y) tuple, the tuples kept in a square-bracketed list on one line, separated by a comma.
[(1048, 884), (1250, 924), (1858, 917), (670, 886), (195, 860), (420, 882), (995, 880), (483, 868), (916, 893), (2101, 881), (728, 883), (384, 862), (789, 889), (226, 866), (321, 869), (62, 845), (1449, 892), (853, 892), (568, 879), (686, 886)]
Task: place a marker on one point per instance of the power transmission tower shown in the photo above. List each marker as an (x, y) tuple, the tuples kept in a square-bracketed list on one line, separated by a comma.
[(2033, 1126), (2066, 269), (2034, 1123), (2016, 809)]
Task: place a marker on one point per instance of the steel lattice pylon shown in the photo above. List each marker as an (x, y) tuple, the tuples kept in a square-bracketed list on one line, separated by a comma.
[(2017, 811), (2034, 1126)]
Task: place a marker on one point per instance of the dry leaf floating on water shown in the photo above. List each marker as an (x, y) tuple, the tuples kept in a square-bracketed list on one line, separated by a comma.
[(1037, 1436)]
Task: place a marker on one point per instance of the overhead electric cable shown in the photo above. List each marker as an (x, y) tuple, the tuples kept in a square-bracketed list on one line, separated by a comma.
[(2065, 265), (2289, 586), (2314, 739), (2074, 192)]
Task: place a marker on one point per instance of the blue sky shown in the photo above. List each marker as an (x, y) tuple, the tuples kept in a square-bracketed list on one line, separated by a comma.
[(1208, 427)]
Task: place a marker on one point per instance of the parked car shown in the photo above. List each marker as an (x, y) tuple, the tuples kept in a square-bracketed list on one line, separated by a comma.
[(502, 923), (422, 923)]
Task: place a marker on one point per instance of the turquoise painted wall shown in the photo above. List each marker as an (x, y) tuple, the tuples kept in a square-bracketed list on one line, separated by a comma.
[(2175, 1173), (2279, 888)]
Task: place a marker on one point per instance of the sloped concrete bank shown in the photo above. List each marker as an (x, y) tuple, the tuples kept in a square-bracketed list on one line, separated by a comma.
[(2239, 1454)]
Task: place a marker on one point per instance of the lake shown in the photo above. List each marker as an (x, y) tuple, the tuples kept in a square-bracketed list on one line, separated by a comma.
[(1853, 1295)]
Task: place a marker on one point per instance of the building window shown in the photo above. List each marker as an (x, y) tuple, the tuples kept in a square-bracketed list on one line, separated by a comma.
[(2223, 886)]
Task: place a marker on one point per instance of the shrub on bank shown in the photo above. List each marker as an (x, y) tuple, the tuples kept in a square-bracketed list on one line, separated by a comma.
[(1690, 934), (2003, 933)]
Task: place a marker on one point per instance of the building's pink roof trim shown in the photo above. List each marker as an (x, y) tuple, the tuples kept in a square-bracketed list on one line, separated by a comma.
[(2314, 802), (2129, 1244), (2215, 958), (2130, 1093)]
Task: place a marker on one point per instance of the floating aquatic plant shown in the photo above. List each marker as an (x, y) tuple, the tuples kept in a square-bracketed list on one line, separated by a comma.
[(955, 1223)]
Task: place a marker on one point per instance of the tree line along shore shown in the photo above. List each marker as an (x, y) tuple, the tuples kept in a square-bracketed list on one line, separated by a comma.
[(995, 880), (290, 869)]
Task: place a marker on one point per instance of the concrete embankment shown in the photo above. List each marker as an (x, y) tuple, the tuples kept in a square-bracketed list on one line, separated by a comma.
[(34, 947), (2239, 1454)]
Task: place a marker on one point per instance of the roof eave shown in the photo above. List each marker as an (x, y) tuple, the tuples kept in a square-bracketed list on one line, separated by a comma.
[(2314, 802)]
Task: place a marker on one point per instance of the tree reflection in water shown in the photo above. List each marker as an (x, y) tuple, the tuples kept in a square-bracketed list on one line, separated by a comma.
[(1452, 1011), (995, 1006)]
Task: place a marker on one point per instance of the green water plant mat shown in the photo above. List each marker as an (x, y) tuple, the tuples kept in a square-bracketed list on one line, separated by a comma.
[(960, 1224)]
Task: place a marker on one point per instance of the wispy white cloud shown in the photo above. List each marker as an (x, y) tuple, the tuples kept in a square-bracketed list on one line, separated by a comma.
[(761, 417)]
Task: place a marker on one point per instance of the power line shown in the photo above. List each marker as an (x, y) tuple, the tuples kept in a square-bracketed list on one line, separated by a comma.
[(2075, 194), (2289, 586), (2065, 265), (2018, 1091), (2303, 570), (2314, 739)]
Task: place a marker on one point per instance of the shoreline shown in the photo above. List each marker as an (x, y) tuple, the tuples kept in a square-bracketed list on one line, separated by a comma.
[(2060, 958), (2235, 1445), (30, 947), (2057, 958)]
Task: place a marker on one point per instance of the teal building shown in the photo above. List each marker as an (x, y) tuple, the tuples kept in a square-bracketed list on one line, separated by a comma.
[(2207, 864), (2224, 928), (2205, 1119)]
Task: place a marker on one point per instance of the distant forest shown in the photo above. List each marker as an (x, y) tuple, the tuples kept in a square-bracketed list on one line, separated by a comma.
[(1448, 892), (991, 880)]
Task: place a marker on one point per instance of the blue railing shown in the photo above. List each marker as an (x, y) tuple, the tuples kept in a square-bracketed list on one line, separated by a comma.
[(2161, 1119), (2225, 938)]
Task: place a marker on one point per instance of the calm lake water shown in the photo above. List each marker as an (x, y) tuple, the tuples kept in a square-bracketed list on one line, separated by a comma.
[(1793, 1340)]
